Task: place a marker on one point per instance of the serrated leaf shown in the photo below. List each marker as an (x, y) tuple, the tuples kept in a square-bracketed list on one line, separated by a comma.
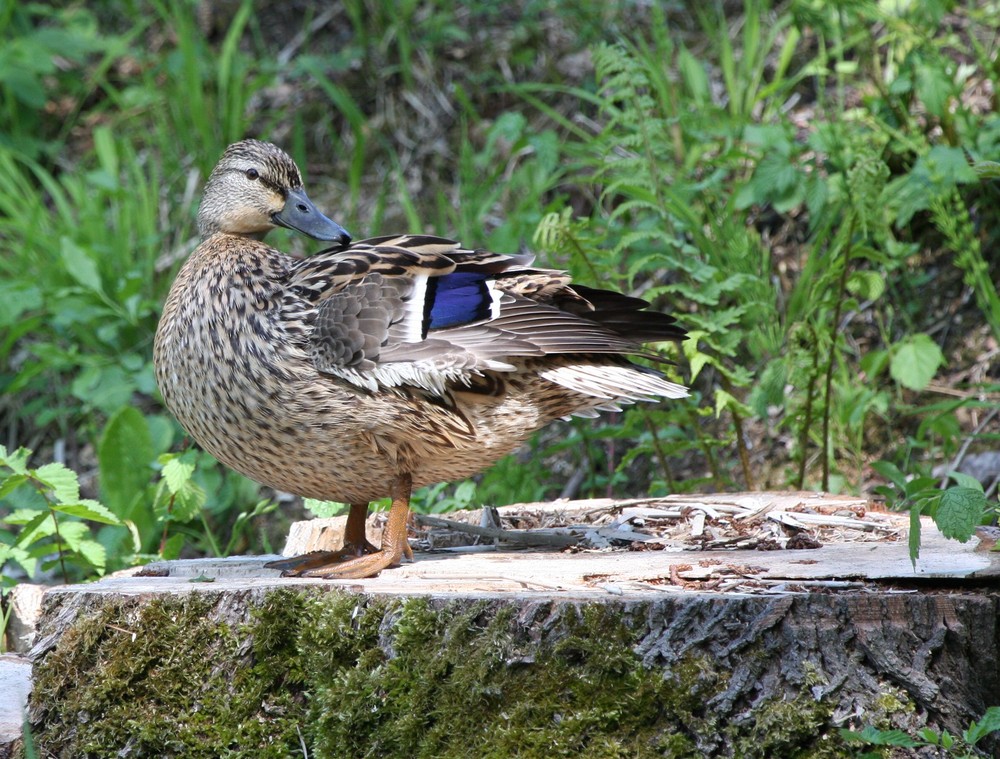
[(929, 736), (990, 723), (188, 501), (177, 473), (895, 738), (94, 553), (35, 529), (696, 363), (124, 456), (88, 509), (61, 479), (867, 285), (16, 462), (959, 512), (915, 361), (73, 534), (723, 400), (12, 483)]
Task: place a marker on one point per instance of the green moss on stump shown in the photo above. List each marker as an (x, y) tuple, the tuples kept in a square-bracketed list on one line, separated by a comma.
[(345, 676)]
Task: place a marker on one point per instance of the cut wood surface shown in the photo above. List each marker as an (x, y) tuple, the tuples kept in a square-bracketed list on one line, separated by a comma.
[(839, 629)]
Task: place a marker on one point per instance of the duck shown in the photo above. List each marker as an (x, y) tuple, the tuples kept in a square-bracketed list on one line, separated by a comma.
[(378, 366)]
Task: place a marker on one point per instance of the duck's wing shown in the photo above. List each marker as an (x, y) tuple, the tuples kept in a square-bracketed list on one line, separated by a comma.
[(423, 311)]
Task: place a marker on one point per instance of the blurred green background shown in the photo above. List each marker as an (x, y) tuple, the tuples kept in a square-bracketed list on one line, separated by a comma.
[(807, 186)]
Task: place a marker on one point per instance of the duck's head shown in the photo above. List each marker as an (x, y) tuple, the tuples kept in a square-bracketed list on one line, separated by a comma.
[(256, 187)]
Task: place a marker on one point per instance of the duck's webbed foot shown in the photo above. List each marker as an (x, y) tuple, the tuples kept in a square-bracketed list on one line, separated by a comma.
[(366, 560)]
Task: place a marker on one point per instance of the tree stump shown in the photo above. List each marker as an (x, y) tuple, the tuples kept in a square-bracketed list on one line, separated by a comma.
[(522, 653)]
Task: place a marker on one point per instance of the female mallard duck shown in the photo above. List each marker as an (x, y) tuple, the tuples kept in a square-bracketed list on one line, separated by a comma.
[(381, 365)]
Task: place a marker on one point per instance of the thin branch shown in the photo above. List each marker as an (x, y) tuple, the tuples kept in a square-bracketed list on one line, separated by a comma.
[(552, 537)]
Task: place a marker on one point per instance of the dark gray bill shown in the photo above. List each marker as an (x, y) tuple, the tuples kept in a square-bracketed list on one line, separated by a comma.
[(301, 215)]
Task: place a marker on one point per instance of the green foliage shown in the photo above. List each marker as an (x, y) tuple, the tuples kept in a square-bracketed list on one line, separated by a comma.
[(46, 526), (956, 510), (814, 200), (963, 746), (48, 48)]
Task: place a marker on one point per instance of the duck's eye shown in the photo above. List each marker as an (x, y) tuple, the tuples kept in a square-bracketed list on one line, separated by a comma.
[(252, 173)]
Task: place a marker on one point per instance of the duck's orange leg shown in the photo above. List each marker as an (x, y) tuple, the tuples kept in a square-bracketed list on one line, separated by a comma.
[(356, 544), (394, 544)]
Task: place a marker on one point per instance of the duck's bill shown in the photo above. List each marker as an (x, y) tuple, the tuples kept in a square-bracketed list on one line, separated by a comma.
[(301, 215)]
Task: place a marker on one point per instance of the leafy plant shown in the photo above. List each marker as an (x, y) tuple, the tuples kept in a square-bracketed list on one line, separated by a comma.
[(956, 510), (47, 524), (963, 746)]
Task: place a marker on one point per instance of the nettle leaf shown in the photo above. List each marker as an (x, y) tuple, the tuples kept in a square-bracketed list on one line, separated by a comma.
[(177, 471), (959, 511), (61, 479), (188, 502), (88, 509), (915, 361)]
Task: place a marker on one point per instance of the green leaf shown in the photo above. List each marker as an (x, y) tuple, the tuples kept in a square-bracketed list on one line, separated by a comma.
[(324, 509), (172, 547), (693, 74), (95, 553), (109, 388), (724, 400), (987, 170), (9, 484), (915, 361), (80, 265), (88, 509), (930, 736), (959, 512), (15, 299), (124, 455), (990, 723), (966, 481), (61, 479), (39, 526), (188, 501), (914, 538), (17, 461), (934, 87), (878, 737), (867, 285), (177, 471), (890, 472)]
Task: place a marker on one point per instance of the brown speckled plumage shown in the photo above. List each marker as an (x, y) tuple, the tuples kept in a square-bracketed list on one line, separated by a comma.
[(380, 365)]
